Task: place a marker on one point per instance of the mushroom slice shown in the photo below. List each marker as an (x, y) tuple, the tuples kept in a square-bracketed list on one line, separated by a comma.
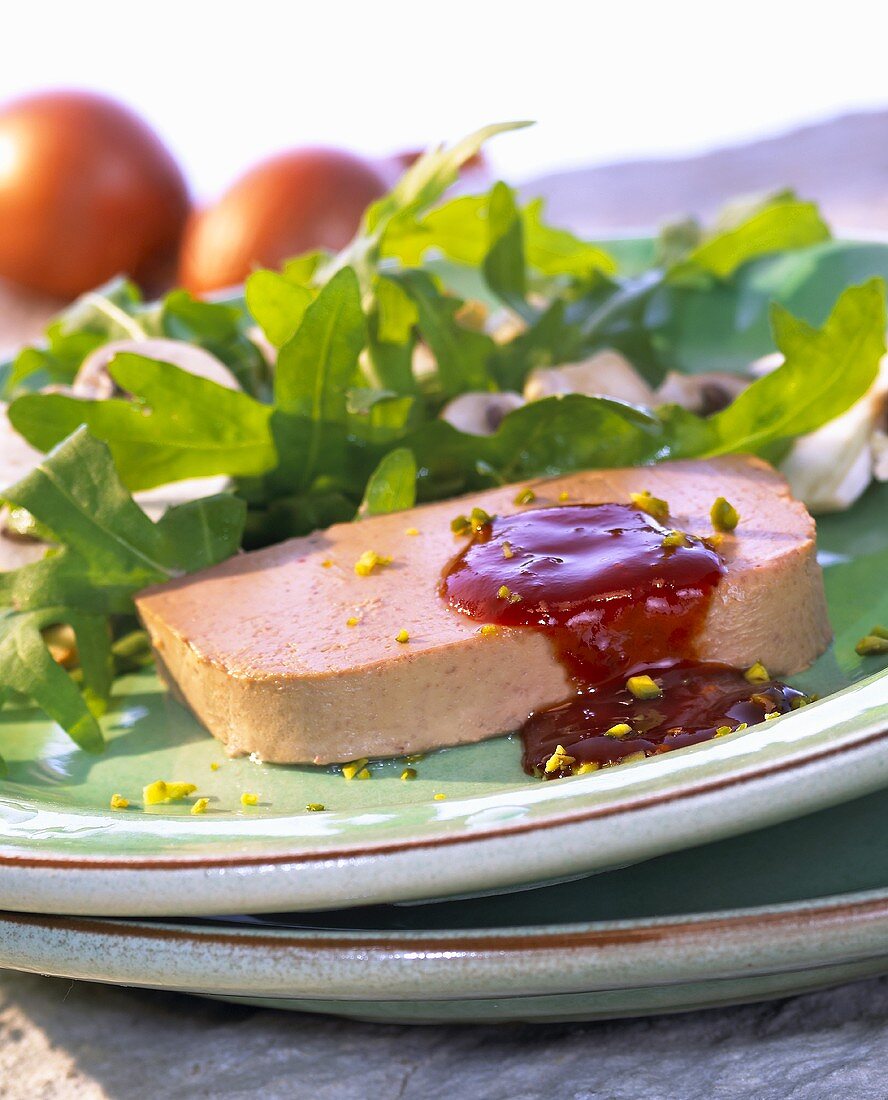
[(480, 413), (607, 373), (703, 394)]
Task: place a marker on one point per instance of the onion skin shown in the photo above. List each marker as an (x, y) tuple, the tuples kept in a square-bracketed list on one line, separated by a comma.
[(294, 202), (87, 192)]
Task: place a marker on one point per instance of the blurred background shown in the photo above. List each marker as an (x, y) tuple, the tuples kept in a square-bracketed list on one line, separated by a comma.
[(643, 112)]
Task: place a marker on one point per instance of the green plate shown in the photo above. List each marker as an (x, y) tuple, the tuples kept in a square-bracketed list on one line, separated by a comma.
[(62, 850), (795, 907)]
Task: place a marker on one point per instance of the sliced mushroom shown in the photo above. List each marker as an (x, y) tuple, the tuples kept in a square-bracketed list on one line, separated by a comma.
[(480, 413), (607, 373), (703, 394)]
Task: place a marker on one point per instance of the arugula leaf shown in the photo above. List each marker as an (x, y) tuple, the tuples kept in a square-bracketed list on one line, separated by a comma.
[(504, 264), (824, 372), (392, 485), (108, 550), (277, 303), (177, 426)]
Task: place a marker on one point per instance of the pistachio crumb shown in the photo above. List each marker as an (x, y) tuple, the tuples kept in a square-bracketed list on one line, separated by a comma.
[(643, 687), (364, 773), (352, 620), (214, 767), (724, 515), (326, 564), (559, 760), (564, 495), (586, 767), (674, 539), (248, 798), (415, 757), (526, 496), (159, 791), (368, 561), (507, 550), (619, 730), (723, 731), (772, 714), (873, 645), (402, 636), (118, 802), (200, 806), (408, 773), (315, 807), (488, 630), (412, 531), (654, 506), (713, 541), (503, 592), (879, 632), (460, 525), (439, 797), (633, 758), (757, 674), (351, 770), (480, 519)]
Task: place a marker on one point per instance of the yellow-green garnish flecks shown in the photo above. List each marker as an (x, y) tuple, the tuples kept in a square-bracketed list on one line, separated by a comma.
[(200, 806), (526, 496), (402, 636), (248, 798), (564, 496), (352, 620), (874, 644), (724, 515), (118, 802), (674, 539), (488, 630), (619, 730), (439, 797), (757, 674), (408, 773), (643, 687), (315, 807), (370, 560), (160, 791), (413, 531), (654, 506), (559, 760), (507, 550), (480, 519), (586, 767), (723, 731), (503, 592), (460, 525), (350, 771), (633, 758)]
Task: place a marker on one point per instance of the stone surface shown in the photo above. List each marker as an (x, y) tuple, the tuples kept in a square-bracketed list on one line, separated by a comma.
[(74, 1040)]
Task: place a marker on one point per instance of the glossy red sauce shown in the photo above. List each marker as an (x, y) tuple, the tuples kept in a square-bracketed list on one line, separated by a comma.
[(615, 602)]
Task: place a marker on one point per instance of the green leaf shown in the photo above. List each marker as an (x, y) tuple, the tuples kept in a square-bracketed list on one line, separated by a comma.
[(277, 303), (553, 251), (824, 372), (462, 355), (396, 312), (315, 368), (392, 485), (219, 328), (783, 224), (504, 264), (177, 426)]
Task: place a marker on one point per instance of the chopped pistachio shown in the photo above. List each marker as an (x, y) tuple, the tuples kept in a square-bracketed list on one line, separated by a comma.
[(415, 757), (160, 791), (351, 770), (723, 731), (654, 506), (487, 630), (368, 561), (507, 550), (408, 773), (352, 620), (439, 797), (200, 806), (315, 807), (402, 636), (633, 758), (772, 714), (564, 495), (480, 519), (461, 525), (248, 798), (724, 515), (214, 767), (503, 592), (713, 541), (757, 674), (879, 631), (674, 539), (515, 597), (872, 646), (643, 687), (326, 564), (526, 496), (411, 531), (586, 767), (364, 773), (118, 802), (741, 727), (559, 760), (619, 730)]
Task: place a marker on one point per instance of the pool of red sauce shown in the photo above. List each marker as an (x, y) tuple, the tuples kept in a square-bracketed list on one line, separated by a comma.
[(597, 580)]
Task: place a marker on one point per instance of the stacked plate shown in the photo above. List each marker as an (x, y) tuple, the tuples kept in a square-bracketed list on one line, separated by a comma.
[(735, 879)]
